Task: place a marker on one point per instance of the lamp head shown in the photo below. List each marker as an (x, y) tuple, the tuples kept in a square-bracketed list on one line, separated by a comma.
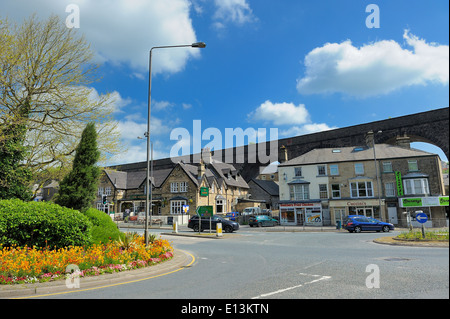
[(199, 45)]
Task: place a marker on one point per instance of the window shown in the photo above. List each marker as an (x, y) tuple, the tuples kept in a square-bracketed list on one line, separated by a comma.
[(359, 168), (416, 186), (321, 170), (335, 191), (176, 207), (100, 191), (298, 172), (174, 187), (361, 189), (299, 192), (334, 169), (412, 166), (183, 187), (108, 190), (387, 167), (220, 206), (389, 188), (323, 191)]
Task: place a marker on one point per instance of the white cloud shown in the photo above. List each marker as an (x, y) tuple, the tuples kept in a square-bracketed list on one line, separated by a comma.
[(235, 11), (305, 129), (123, 31), (280, 113), (294, 118), (373, 69)]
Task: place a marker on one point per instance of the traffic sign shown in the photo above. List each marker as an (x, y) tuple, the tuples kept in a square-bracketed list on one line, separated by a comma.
[(185, 209), (421, 218)]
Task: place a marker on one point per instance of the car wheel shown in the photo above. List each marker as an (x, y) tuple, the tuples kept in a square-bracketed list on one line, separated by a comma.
[(195, 228), (251, 225), (259, 224), (357, 229), (228, 229), (386, 229)]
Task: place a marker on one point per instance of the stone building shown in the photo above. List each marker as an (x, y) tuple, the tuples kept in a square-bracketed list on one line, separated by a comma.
[(213, 183), (332, 183)]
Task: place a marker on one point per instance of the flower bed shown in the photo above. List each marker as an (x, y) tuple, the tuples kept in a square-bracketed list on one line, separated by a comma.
[(32, 264)]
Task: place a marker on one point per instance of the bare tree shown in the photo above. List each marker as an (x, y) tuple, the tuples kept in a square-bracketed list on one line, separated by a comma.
[(46, 73)]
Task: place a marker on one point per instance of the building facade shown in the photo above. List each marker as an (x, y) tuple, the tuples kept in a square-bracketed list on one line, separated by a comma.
[(331, 183), (215, 184)]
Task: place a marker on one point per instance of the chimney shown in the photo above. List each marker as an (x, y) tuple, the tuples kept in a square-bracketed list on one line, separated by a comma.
[(403, 141), (369, 139), (201, 170), (284, 154), (206, 155)]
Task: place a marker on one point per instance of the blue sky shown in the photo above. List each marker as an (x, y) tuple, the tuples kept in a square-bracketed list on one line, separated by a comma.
[(299, 66)]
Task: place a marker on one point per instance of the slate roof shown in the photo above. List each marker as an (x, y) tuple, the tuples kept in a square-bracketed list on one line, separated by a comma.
[(268, 186), (221, 172), (346, 154)]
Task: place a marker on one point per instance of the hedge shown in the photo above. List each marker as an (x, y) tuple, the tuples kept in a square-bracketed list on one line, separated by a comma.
[(104, 229), (42, 224)]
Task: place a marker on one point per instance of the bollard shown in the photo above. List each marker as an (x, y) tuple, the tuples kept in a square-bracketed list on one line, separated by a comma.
[(219, 229), (175, 227)]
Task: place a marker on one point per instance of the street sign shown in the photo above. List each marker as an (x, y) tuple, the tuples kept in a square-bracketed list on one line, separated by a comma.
[(421, 218), (204, 191), (185, 209), (205, 211)]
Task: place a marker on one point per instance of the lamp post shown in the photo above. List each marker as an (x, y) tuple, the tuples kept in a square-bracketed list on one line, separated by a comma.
[(147, 134), (376, 173)]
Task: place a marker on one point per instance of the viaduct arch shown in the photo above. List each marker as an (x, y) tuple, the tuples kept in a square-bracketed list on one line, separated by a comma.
[(430, 127)]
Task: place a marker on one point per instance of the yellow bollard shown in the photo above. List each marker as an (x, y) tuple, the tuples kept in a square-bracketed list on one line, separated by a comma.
[(219, 229), (175, 227)]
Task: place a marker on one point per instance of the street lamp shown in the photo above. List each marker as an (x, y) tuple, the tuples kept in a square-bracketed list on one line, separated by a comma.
[(376, 171), (200, 45)]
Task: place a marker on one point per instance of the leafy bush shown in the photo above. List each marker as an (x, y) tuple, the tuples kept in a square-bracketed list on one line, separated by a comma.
[(42, 224), (104, 229)]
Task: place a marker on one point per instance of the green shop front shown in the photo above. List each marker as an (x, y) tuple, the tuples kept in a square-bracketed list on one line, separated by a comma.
[(433, 206)]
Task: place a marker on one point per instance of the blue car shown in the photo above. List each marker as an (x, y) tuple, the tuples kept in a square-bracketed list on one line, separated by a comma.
[(359, 223)]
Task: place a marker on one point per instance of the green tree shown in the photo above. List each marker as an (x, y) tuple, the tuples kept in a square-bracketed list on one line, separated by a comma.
[(78, 189)]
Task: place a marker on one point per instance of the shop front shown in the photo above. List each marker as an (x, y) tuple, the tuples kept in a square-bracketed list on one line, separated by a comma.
[(340, 209), (433, 206), (301, 213)]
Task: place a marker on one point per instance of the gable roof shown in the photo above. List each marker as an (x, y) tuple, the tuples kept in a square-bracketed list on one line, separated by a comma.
[(354, 153), (268, 186)]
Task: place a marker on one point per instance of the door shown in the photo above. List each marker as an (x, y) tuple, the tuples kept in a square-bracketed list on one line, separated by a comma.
[(392, 215)]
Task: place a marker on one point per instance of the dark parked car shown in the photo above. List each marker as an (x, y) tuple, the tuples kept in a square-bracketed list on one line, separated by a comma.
[(359, 223), (228, 226), (262, 220)]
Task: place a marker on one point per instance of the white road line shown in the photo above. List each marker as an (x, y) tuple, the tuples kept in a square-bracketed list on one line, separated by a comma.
[(319, 278)]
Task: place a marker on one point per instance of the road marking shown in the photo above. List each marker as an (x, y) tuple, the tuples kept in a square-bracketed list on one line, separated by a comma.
[(113, 285), (319, 278)]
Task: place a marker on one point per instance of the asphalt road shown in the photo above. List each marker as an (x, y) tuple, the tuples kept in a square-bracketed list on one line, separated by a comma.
[(326, 265)]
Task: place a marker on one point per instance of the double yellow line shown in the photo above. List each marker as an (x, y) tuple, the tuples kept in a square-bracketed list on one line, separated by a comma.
[(112, 285)]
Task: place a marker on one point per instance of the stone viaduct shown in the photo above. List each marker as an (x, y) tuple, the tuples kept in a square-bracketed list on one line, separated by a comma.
[(430, 127)]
